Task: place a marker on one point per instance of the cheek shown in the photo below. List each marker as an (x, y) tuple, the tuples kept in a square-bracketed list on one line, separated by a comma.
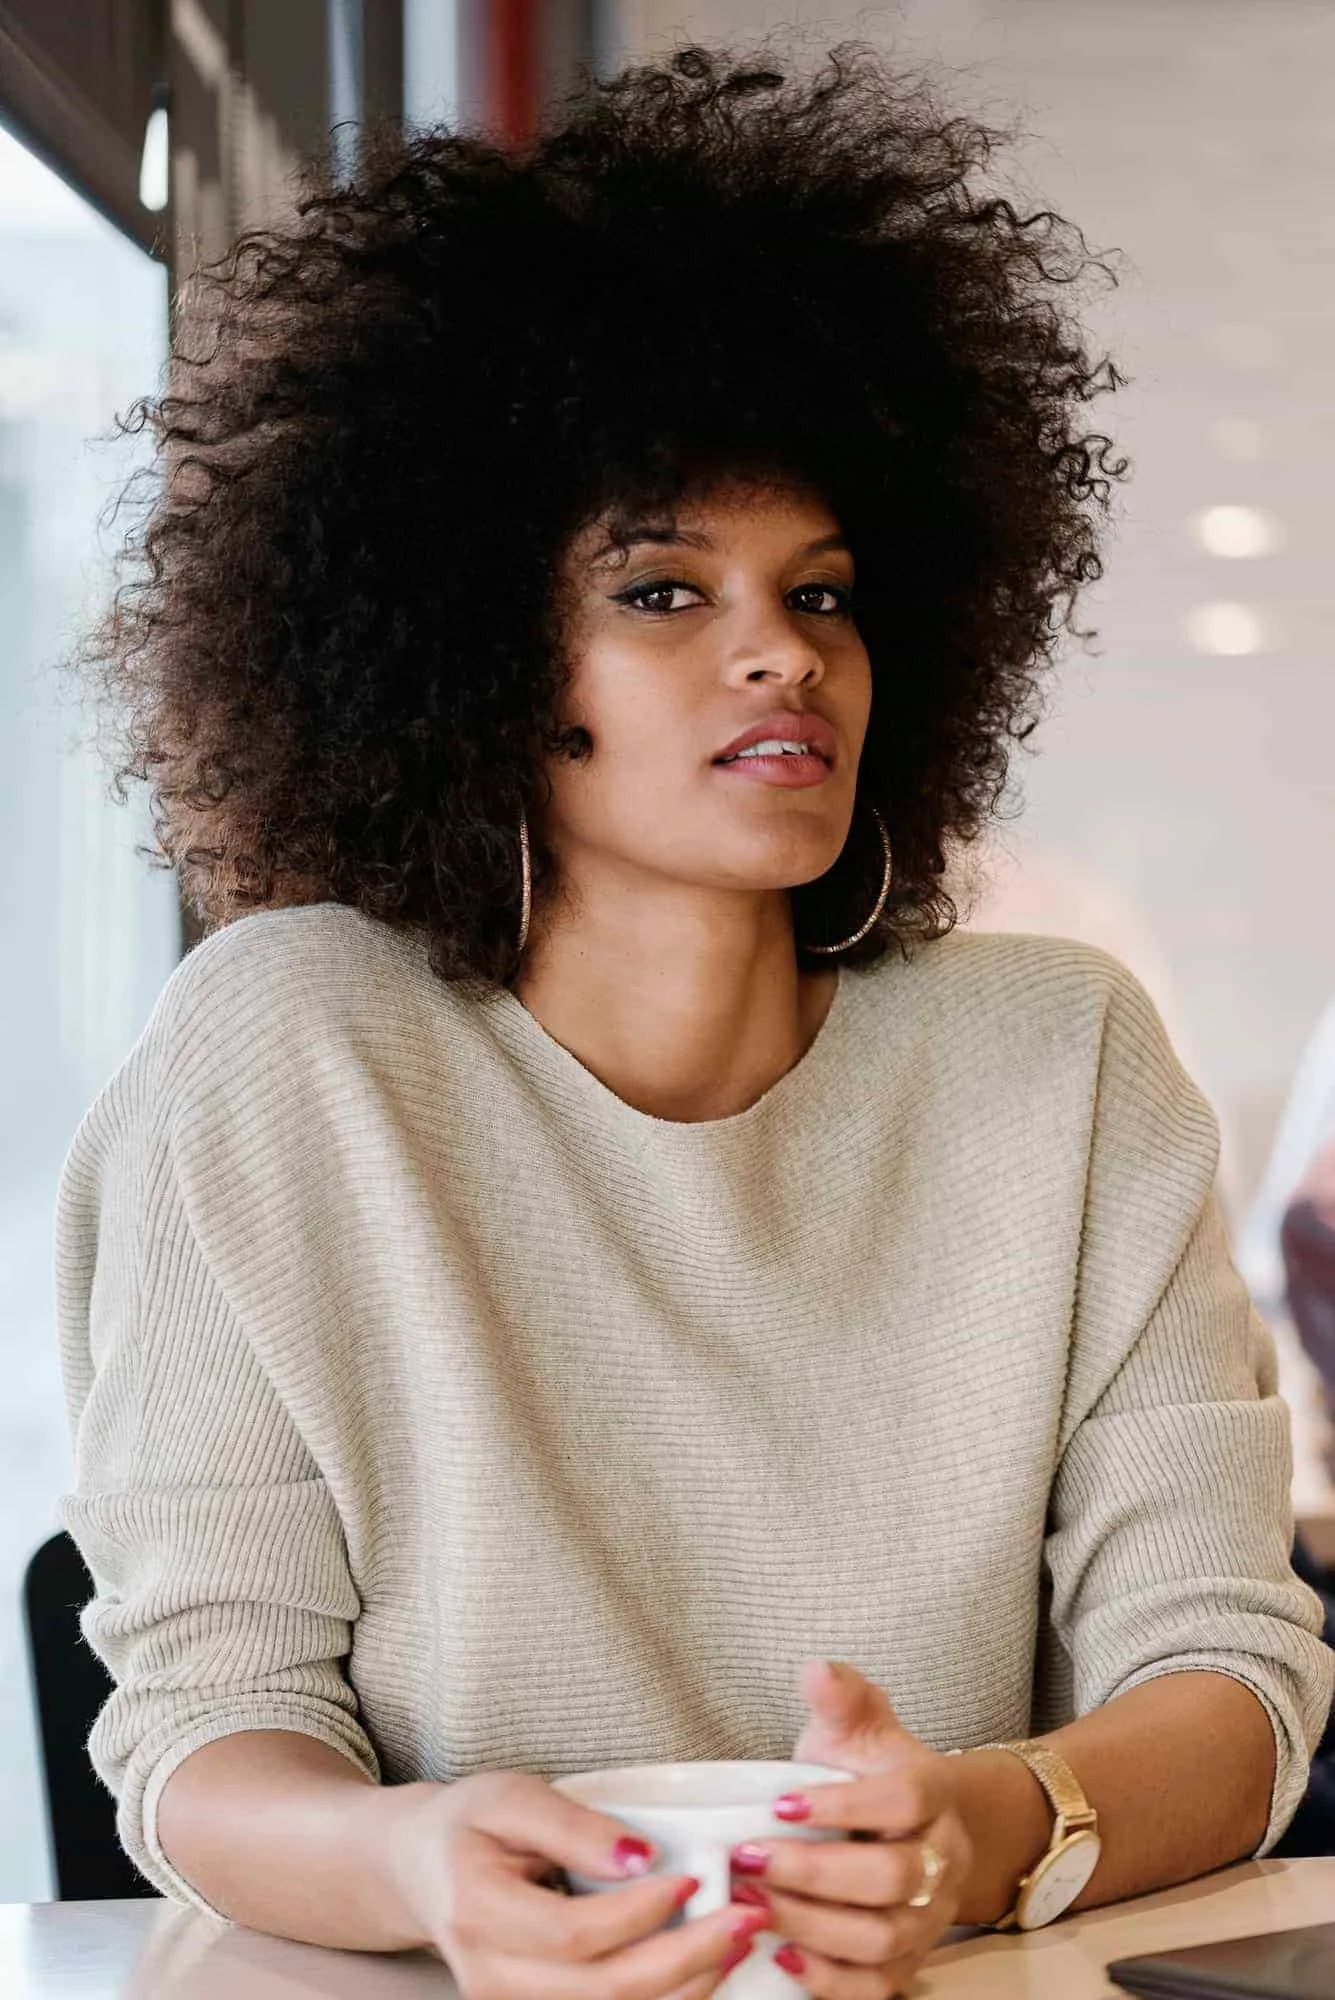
[(635, 805), (855, 673), (647, 707), (632, 788), (857, 666)]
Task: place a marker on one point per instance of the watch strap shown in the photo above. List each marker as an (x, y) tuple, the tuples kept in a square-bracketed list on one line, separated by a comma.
[(1054, 1774), (1072, 1811)]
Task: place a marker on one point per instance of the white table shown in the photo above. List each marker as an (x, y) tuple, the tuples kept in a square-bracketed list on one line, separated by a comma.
[(155, 1950)]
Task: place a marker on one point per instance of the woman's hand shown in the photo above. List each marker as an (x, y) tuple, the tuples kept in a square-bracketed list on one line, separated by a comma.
[(845, 1908), (468, 1862)]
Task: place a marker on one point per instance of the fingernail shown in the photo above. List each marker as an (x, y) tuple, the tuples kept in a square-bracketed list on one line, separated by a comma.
[(633, 1857), (750, 1860), (747, 1892), (749, 1926), (792, 1806), (791, 1959), (736, 1954), (690, 1887)]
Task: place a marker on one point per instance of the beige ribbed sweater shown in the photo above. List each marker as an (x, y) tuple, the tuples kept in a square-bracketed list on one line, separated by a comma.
[(432, 1400)]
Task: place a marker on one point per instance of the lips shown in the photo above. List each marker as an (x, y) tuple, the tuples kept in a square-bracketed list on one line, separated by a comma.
[(786, 725)]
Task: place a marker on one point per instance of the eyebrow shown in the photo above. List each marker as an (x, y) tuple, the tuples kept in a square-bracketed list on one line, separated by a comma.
[(640, 532)]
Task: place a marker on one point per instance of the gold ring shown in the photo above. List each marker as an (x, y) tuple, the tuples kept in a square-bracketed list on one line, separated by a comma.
[(933, 1868)]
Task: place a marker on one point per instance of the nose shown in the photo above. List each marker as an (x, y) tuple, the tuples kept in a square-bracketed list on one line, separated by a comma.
[(773, 641)]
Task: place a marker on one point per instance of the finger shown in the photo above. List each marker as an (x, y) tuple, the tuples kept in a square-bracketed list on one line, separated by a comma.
[(828, 1979), (693, 1956), (872, 1873), (497, 1899), (861, 1937), (895, 1802)]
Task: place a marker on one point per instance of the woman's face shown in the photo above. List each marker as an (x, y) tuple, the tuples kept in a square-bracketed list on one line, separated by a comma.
[(738, 606)]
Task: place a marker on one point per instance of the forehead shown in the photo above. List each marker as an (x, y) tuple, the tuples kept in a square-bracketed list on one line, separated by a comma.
[(724, 516)]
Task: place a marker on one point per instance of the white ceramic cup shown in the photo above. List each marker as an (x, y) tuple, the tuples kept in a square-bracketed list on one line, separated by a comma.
[(695, 1813)]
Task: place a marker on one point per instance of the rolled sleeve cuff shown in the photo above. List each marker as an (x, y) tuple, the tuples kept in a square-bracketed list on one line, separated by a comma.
[(1292, 1757), (149, 1770)]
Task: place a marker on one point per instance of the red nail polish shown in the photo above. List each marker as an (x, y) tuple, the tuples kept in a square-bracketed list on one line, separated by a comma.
[(690, 1887), (749, 1926), (735, 1956), (747, 1892), (791, 1959), (632, 1857), (792, 1806), (750, 1860)]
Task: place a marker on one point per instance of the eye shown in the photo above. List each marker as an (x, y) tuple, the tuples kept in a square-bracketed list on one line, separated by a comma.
[(654, 598), (639, 594), (843, 599)]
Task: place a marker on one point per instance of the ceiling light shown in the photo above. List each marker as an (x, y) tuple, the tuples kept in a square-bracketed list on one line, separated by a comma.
[(1224, 628), (1235, 531), (153, 161)]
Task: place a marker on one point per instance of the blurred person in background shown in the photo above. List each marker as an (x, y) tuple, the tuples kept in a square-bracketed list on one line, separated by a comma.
[(1306, 1127), (1307, 1243), (1304, 1133), (1307, 1249), (586, 1265)]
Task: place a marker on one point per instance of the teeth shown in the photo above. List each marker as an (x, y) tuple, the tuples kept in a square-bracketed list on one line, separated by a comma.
[(768, 748)]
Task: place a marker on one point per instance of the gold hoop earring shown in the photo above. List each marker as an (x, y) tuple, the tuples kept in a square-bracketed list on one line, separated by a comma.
[(528, 879), (858, 935)]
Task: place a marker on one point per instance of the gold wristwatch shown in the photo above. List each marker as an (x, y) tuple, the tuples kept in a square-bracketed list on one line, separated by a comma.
[(1058, 1876)]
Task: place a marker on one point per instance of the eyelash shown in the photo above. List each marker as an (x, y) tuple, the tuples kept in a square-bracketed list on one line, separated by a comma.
[(639, 591)]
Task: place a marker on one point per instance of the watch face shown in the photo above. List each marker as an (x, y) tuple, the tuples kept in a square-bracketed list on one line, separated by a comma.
[(1058, 1880)]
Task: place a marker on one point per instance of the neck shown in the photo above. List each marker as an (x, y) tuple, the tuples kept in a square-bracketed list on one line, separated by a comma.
[(678, 1036)]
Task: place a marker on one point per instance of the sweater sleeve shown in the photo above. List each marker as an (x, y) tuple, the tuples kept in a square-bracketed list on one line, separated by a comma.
[(1170, 1524), (223, 1598)]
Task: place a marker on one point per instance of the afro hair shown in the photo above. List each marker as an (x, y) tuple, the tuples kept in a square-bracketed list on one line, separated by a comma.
[(338, 660)]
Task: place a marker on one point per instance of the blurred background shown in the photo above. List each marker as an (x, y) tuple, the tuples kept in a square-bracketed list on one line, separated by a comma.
[(1180, 808)]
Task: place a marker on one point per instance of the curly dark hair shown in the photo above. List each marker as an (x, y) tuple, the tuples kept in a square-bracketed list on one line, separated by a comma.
[(340, 661)]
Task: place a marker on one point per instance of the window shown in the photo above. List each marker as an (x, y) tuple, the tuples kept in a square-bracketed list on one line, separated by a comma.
[(88, 931)]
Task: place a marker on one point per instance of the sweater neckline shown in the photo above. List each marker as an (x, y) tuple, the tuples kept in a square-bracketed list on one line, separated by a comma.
[(526, 1038)]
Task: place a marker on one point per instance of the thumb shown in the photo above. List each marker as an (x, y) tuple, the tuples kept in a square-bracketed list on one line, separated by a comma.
[(845, 1701)]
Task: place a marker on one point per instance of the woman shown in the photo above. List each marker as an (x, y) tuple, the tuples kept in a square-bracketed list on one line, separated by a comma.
[(582, 1241)]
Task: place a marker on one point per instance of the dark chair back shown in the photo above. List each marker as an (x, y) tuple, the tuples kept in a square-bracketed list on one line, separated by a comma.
[(70, 1685)]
